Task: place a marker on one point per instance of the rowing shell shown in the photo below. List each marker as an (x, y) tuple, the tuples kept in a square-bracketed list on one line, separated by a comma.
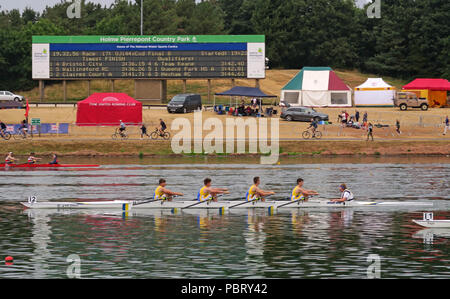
[(49, 165), (433, 223), (126, 205), (122, 205)]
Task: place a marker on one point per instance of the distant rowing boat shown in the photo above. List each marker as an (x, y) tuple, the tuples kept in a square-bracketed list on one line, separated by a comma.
[(433, 223), (428, 221), (50, 165), (127, 205)]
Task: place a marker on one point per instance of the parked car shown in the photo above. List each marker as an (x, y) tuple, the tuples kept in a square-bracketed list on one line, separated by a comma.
[(303, 114), (9, 96), (404, 100), (185, 103)]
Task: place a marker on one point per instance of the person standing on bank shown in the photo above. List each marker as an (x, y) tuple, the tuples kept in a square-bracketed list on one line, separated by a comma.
[(446, 125), (370, 131)]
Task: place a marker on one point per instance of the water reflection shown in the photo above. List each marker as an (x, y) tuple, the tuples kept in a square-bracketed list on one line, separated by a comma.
[(40, 237), (238, 244)]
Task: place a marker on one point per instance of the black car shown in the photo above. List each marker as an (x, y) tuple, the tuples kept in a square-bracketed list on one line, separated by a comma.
[(185, 103), (303, 114)]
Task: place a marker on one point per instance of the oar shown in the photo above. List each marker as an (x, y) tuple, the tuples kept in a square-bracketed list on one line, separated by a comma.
[(151, 199), (144, 201), (243, 203), (197, 203), (291, 202)]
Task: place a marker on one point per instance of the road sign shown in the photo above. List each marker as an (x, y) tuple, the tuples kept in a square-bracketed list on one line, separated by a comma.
[(35, 121)]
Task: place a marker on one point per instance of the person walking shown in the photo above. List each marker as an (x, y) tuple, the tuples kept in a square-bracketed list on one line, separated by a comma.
[(397, 126), (370, 132), (446, 126), (144, 131)]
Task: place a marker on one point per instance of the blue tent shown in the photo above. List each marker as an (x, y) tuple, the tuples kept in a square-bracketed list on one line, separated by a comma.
[(242, 91)]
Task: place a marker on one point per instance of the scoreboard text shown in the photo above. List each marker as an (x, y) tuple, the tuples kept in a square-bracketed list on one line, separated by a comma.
[(159, 57)]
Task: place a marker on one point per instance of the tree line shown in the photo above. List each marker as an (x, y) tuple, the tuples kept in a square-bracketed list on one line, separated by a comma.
[(411, 39)]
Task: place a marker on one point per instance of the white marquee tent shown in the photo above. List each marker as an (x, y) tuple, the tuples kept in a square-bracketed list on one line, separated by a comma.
[(374, 92)]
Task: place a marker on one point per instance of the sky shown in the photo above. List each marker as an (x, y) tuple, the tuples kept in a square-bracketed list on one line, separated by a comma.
[(39, 5)]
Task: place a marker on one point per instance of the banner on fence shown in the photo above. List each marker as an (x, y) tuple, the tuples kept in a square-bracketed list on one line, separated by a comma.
[(45, 128)]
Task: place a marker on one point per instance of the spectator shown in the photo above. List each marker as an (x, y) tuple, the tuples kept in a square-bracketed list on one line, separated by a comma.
[(365, 117), (357, 116), (397, 126), (370, 131), (144, 131), (447, 125), (344, 118)]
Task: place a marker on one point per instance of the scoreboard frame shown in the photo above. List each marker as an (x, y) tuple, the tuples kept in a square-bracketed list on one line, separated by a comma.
[(42, 51)]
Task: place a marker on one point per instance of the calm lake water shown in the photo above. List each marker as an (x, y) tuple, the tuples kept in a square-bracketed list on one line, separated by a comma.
[(239, 244)]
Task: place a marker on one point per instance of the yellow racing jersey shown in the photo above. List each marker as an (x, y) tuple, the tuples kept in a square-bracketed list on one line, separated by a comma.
[(159, 194), (251, 194), (203, 194), (297, 195)]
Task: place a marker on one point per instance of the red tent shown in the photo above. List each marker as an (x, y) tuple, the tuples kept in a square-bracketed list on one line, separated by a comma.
[(107, 109), (430, 84)]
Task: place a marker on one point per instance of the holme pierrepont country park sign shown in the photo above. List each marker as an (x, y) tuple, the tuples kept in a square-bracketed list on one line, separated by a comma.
[(146, 57)]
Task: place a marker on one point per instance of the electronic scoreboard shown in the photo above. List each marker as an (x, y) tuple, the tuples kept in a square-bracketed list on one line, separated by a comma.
[(148, 57)]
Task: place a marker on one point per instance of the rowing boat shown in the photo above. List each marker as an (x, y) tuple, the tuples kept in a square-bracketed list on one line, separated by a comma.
[(49, 165), (122, 205), (433, 223), (126, 205)]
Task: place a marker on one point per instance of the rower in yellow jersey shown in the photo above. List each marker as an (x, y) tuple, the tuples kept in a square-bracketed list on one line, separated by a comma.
[(207, 193), (162, 193), (255, 193), (300, 193)]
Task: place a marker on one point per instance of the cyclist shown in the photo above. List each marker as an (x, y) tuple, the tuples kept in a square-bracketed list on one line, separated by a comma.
[(162, 127), (23, 129), (313, 126), (122, 128), (2, 128)]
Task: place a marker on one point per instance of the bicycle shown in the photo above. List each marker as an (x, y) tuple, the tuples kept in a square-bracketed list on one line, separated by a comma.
[(119, 135), (21, 135), (307, 135), (5, 135), (156, 134)]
